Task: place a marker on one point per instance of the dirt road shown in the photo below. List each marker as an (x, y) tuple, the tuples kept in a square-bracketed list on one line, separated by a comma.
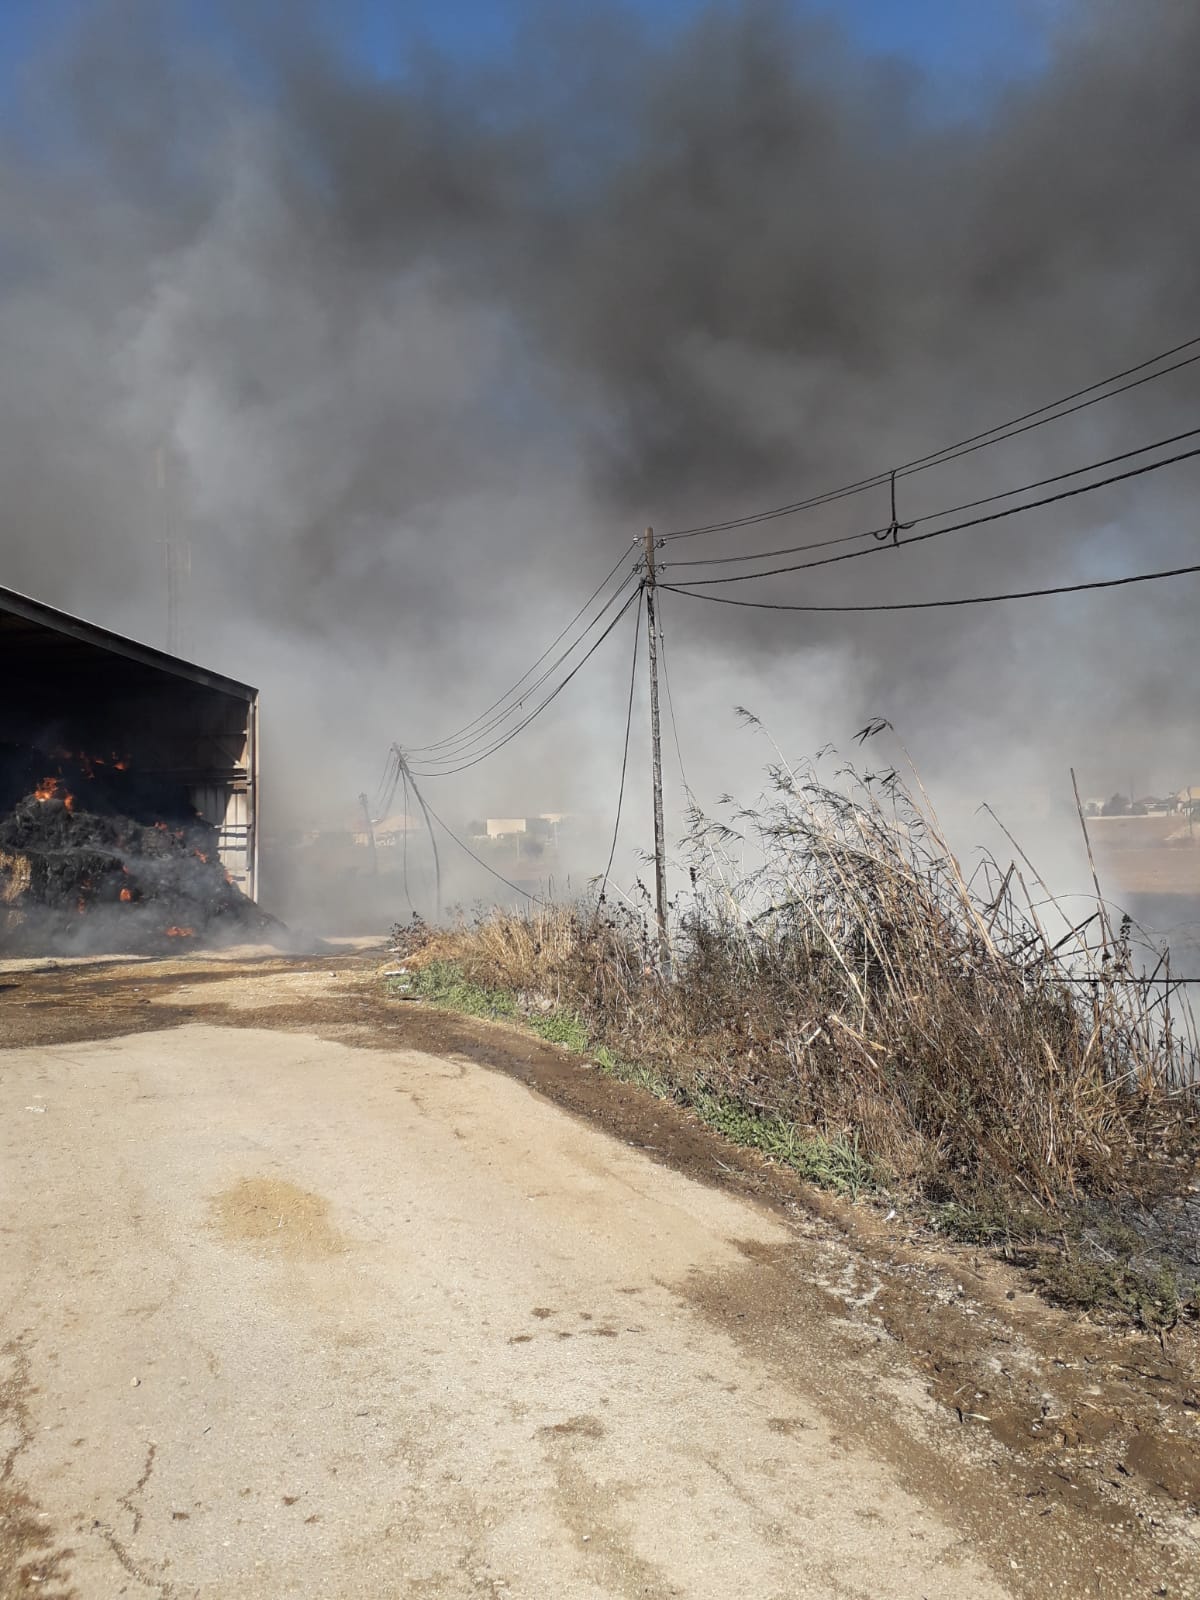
[(285, 1315)]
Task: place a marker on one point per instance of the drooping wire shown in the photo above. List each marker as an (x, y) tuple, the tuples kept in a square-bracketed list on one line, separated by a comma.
[(516, 887), (925, 605), (452, 738), (953, 527), (662, 655), (404, 843), (978, 441), (537, 711), (637, 629), (411, 782), (932, 516), (470, 746)]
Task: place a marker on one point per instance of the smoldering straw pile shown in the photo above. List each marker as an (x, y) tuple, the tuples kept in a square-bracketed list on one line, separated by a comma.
[(94, 858)]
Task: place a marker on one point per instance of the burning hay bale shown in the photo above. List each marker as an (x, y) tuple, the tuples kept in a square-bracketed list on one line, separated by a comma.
[(96, 858)]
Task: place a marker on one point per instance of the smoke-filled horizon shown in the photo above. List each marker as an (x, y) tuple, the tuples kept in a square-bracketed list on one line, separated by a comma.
[(406, 362)]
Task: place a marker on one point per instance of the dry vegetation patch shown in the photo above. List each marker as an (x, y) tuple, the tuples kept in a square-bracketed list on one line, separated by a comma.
[(856, 1005)]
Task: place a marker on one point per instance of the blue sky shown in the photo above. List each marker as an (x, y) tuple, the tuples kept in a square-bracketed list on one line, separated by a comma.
[(963, 43), (965, 40)]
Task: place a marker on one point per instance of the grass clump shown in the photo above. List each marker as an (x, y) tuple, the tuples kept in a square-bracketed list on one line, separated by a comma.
[(1157, 1297), (444, 983), (561, 1027)]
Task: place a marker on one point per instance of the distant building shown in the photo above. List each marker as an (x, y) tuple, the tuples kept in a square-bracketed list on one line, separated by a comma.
[(505, 827), (388, 831), (526, 837)]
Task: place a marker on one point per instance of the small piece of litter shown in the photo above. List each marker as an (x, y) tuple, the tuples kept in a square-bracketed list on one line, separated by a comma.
[(134, 1382), (35, 1108)]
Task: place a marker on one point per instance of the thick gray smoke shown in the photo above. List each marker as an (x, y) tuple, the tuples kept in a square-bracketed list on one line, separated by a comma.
[(406, 362)]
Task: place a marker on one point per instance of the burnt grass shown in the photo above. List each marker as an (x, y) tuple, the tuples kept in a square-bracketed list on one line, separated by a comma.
[(859, 1010)]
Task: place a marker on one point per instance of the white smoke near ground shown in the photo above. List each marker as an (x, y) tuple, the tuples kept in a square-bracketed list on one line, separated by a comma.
[(405, 363)]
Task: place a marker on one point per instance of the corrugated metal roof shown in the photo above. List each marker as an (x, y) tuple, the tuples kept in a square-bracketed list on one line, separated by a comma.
[(39, 616)]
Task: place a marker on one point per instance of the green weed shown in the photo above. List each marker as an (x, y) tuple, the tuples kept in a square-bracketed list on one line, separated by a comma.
[(443, 984), (1156, 1298), (561, 1027)]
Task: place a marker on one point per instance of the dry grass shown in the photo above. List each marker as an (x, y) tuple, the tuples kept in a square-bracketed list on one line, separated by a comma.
[(853, 981)]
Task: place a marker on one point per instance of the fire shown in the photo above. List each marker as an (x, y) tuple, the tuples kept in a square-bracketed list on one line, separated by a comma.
[(69, 801), (126, 894), (181, 933), (200, 856), (46, 790)]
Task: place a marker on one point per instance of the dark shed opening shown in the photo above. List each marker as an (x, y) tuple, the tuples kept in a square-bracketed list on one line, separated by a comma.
[(69, 685)]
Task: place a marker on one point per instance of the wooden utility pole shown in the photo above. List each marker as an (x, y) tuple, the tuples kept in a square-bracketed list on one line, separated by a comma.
[(660, 849)]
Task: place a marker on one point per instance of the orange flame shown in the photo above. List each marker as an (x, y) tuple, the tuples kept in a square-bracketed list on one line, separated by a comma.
[(69, 801), (46, 789), (181, 933), (126, 894)]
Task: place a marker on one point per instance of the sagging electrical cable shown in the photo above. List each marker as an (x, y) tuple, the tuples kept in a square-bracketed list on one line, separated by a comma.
[(446, 829), (466, 728), (927, 605), (954, 527), (553, 695), (928, 516), (637, 628), (998, 434), (468, 745)]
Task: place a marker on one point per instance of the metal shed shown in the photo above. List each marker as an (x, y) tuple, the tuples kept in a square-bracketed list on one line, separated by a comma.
[(69, 684)]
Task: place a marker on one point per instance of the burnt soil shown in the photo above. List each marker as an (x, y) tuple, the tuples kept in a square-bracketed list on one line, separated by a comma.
[(1084, 1431)]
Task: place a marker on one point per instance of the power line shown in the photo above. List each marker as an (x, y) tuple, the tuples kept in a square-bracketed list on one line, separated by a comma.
[(925, 605), (455, 738), (637, 626), (465, 746), (404, 844), (662, 645), (977, 441), (930, 516), (469, 747), (953, 527), (410, 781), (553, 695), (445, 827)]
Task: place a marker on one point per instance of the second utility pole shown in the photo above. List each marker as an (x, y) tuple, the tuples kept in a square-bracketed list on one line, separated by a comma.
[(660, 849)]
